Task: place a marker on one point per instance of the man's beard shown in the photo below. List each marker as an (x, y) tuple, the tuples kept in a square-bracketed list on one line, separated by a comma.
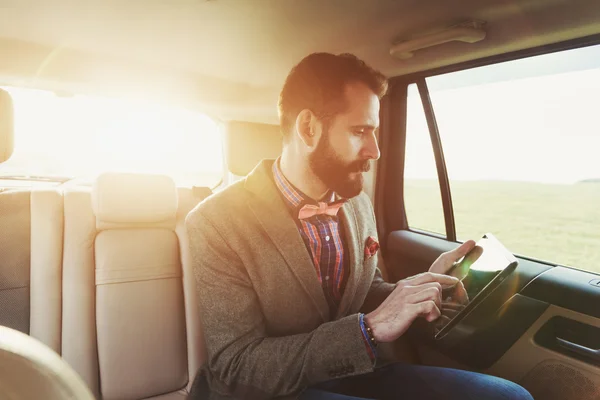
[(327, 166)]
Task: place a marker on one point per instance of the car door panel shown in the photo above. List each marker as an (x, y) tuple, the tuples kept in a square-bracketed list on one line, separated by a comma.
[(499, 335), (546, 373)]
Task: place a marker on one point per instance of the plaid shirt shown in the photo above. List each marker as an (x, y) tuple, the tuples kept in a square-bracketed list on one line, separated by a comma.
[(321, 235)]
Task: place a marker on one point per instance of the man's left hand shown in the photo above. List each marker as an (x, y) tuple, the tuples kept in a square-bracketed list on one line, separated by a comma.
[(442, 265), (445, 261)]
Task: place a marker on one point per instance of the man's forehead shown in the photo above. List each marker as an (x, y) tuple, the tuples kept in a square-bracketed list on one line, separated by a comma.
[(360, 92), (362, 109)]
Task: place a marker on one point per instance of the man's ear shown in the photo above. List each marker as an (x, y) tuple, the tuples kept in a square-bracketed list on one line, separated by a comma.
[(308, 128)]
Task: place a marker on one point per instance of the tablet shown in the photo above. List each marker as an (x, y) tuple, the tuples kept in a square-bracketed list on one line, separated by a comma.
[(480, 272)]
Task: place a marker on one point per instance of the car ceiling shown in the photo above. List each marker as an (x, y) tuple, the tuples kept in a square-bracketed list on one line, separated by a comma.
[(229, 58)]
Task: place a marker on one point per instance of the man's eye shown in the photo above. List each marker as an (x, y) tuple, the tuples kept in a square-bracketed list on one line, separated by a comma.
[(359, 131)]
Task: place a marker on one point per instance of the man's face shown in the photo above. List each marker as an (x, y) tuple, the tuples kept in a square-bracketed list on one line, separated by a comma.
[(348, 143)]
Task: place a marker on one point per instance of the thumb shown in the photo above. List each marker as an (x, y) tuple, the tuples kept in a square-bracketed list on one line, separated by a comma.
[(462, 250)]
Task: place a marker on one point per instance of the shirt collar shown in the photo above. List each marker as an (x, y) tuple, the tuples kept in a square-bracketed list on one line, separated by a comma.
[(294, 198)]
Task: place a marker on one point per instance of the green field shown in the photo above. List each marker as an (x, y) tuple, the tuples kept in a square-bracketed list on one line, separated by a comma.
[(550, 222)]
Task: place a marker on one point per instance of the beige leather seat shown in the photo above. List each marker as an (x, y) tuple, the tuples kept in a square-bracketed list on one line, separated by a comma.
[(15, 227), (130, 324), (31, 232), (31, 370)]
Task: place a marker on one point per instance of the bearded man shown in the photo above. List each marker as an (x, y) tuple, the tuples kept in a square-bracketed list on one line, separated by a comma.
[(292, 300)]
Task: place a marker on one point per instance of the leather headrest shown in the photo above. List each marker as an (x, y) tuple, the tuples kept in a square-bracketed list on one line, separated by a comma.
[(125, 198), (247, 143), (6, 126)]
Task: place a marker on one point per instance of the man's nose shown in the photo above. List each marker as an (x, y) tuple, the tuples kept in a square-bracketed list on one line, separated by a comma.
[(371, 148)]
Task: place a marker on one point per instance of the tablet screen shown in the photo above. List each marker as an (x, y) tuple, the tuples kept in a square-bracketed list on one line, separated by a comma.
[(486, 264)]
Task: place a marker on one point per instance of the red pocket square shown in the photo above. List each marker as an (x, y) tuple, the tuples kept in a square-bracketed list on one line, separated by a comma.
[(371, 247)]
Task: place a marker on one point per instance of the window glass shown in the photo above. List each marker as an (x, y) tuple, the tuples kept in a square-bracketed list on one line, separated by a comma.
[(81, 136), (422, 198), (521, 141)]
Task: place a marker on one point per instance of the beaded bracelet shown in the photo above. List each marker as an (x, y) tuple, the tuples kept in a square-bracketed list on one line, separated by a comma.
[(370, 333)]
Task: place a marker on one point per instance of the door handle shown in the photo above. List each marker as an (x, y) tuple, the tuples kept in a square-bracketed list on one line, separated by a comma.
[(577, 348)]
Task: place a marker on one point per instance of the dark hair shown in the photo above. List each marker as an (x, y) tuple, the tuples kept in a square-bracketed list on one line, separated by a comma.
[(318, 83)]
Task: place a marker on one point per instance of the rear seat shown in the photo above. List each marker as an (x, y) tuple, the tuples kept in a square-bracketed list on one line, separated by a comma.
[(15, 227), (31, 223), (130, 322), (124, 315)]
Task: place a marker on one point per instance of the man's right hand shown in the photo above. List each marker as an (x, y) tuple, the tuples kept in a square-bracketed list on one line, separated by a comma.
[(417, 296)]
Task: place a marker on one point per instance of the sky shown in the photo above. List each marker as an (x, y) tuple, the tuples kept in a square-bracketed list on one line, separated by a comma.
[(529, 128)]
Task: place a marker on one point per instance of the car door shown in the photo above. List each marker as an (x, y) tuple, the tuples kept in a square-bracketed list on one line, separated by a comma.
[(506, 145)]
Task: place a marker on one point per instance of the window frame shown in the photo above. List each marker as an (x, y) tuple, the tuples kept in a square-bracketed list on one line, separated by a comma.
[(390, 208)]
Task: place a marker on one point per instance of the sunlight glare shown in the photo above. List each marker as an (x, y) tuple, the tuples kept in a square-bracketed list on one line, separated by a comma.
[(83, 136)]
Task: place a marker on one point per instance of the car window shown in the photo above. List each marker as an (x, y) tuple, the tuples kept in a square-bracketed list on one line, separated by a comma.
[(422, 197), (521, 142), (81, 136)]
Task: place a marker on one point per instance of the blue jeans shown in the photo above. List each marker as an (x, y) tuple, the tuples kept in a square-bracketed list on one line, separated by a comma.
[(405, 381)]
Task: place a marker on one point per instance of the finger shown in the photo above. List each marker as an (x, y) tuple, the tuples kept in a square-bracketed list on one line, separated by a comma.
[(404, 295), (411, 281), (430, 293), (410, 289), (460, 251), (429, 310), (457, 294), (460, 294), (426, 277)]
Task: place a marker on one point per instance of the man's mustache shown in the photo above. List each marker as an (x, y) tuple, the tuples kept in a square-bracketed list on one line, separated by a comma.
[(360, 166)]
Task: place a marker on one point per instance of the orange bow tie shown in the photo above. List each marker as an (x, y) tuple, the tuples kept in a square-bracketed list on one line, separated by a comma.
[(310, 210)]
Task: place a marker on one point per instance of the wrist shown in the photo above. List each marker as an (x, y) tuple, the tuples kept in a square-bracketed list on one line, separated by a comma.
[(372, 328), (369, 341)]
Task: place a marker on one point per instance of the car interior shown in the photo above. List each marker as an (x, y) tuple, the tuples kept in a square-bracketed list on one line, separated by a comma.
[(96, 267)]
